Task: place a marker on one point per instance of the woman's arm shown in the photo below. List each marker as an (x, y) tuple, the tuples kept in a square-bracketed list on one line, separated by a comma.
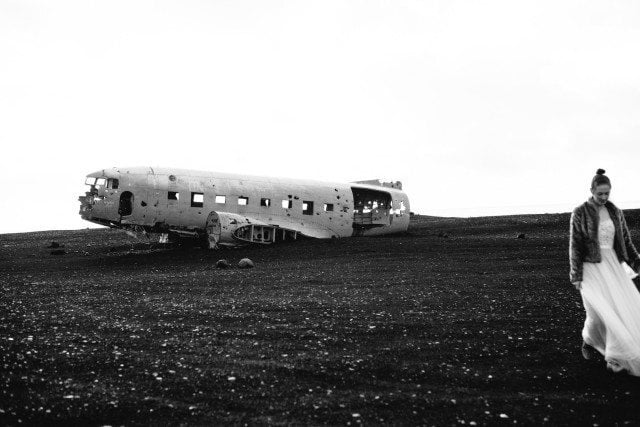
[(576, 247)]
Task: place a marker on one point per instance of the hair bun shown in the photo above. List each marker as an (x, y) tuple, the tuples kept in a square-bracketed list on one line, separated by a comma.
[(600, 172)]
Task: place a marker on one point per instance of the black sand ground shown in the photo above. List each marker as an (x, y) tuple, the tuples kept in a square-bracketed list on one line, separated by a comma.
[(476, 328)]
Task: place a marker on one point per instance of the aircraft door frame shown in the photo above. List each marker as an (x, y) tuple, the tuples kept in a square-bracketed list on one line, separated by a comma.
[(125, 204)]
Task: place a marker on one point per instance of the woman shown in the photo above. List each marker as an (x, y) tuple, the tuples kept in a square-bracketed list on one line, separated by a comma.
[(599, 242)]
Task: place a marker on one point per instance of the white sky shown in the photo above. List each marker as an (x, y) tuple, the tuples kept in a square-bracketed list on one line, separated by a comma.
[(477, 107)]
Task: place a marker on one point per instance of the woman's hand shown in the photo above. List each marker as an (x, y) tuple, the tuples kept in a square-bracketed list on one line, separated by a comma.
[(578, 285)]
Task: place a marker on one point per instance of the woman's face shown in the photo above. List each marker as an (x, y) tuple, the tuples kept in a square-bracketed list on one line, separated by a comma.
[(601, 193)]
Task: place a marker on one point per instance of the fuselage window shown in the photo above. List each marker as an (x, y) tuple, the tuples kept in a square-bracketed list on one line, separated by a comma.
[(197, 200), (113, 183), (328, 207), (287, 204), (173, 195), (243, 201), (221, 200), (265, 202), (307, 208)]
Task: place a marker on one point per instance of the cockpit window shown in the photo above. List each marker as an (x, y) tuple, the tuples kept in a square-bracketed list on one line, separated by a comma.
[(113, 183), (90, 181), (100, 182)]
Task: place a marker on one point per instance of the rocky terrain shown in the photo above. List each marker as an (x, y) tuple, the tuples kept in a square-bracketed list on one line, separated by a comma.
[(456, 322)]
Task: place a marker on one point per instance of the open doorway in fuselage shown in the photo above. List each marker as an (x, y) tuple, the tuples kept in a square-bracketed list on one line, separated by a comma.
[(126, 204)]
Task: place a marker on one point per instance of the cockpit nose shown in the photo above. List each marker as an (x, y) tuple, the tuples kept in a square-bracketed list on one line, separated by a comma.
[(87, 201), (99, 189)]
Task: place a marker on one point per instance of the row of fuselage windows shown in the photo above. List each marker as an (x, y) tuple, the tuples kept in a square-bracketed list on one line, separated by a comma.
[(197, 201)]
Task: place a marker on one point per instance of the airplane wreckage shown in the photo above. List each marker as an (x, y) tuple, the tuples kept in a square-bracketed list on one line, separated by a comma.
[(224, 209)]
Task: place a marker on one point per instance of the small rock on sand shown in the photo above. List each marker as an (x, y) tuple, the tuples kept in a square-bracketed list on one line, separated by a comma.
[(245, 263), (222, 263)]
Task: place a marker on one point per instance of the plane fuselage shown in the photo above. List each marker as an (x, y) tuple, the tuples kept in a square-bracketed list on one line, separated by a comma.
[(163, 199)]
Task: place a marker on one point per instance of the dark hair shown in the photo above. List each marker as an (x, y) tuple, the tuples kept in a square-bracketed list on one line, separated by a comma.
[(600, 178)]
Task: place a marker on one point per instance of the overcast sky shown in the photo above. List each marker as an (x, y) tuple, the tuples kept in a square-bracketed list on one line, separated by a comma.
[(477, 107)]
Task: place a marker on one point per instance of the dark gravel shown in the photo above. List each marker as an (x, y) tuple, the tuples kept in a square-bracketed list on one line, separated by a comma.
[(457, 322)]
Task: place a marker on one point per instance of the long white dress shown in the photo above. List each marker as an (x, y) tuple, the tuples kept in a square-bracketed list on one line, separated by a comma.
[(612, 303)]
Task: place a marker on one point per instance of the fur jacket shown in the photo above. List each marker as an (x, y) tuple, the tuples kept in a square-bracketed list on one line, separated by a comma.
[(583, 238)]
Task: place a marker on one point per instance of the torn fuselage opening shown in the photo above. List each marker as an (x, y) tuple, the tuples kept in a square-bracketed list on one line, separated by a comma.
[(371, 208)]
